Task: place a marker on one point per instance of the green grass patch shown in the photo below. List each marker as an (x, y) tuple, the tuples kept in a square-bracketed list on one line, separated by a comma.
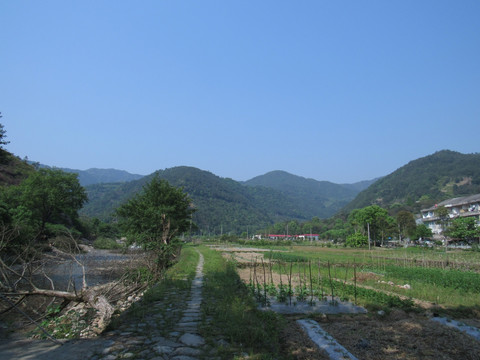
[(233, 313)]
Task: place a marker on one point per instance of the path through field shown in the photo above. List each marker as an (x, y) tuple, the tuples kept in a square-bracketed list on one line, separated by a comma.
[(168, 329)]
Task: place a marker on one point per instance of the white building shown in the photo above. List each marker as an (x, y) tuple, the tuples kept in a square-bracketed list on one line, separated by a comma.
[(468, 206)]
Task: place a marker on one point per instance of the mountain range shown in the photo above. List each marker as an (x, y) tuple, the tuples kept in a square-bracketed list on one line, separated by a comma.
[(96, 176), (225, 205)]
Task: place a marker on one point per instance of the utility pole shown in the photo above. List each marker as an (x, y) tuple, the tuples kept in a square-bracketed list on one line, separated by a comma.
[(368, 230)]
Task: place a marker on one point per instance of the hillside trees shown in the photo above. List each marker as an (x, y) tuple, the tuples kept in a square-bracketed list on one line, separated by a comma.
[(155, 218)]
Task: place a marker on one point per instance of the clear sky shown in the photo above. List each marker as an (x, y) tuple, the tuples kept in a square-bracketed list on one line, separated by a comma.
[(332, 90)]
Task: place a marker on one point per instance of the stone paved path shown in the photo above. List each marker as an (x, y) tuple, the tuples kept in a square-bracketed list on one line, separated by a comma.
[(168, 330)]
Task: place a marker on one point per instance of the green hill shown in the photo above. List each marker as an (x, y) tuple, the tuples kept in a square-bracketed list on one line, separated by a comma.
[(225, 205), (424, 182), (314, 198)]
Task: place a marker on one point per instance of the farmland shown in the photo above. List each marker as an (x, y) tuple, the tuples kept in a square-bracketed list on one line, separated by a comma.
[(401, 289)]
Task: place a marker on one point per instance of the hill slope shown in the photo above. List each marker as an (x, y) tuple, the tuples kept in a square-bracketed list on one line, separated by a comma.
[(226, 205), (223, 204), (316, 198), (12, 169), (424, 182)]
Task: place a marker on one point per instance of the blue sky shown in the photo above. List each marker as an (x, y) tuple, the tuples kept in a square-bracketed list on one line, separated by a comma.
[(340, 91)]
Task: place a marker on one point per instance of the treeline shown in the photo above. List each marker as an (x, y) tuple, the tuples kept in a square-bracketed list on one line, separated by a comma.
[(355, 229)]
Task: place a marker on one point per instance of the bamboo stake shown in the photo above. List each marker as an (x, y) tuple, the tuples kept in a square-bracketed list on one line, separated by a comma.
[(290, 284), (355, 280), (311, 285), (264, 285), (330, 277)]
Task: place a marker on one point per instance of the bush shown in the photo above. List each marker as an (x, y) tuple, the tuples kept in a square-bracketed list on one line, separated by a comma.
[(357, 240), (106, 244)]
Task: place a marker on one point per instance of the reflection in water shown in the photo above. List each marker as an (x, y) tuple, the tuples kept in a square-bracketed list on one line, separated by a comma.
[(68, 275)]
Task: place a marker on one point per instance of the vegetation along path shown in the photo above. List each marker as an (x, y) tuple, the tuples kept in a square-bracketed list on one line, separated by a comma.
[(164, 329)]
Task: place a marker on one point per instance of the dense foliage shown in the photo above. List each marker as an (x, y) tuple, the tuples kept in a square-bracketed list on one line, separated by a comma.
[(224, 205), (318, 198), (155, 217), (464, 229), (41, 203), (424, 182)]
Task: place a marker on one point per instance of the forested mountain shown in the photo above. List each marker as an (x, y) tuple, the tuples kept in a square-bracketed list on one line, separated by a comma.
[(222, 204), (318, 198), (97, 176), (227, 205), (424, 182)]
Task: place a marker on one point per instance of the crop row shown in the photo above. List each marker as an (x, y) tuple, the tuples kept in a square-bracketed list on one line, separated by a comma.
[(466, 281)]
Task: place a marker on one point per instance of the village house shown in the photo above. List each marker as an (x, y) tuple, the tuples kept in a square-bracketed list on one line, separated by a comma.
[(468, 206)]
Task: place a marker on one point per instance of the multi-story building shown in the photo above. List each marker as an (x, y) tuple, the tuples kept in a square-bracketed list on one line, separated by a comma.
[(468, 206)]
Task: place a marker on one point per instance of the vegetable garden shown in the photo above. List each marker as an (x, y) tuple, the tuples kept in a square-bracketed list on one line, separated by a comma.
[(401, 289), (377, 279)]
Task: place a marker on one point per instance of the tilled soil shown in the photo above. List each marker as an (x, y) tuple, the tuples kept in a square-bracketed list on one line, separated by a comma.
[(297, 345), (399, 336)]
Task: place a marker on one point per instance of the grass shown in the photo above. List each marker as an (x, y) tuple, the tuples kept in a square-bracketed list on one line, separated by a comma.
[(233, 314)]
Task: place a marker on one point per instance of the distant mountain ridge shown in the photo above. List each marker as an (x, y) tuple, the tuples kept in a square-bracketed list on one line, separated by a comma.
[(96, 176), (227, 205)]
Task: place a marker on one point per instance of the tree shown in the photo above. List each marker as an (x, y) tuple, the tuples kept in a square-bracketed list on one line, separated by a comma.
[(464, 229), (155, 218), (44, 200), (3, 135), (50, 197), (371, 218), (423, 231), (406, 224)]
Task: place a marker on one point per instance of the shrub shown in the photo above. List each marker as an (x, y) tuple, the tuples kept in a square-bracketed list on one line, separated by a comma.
[(106, 243), (357, 240)]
